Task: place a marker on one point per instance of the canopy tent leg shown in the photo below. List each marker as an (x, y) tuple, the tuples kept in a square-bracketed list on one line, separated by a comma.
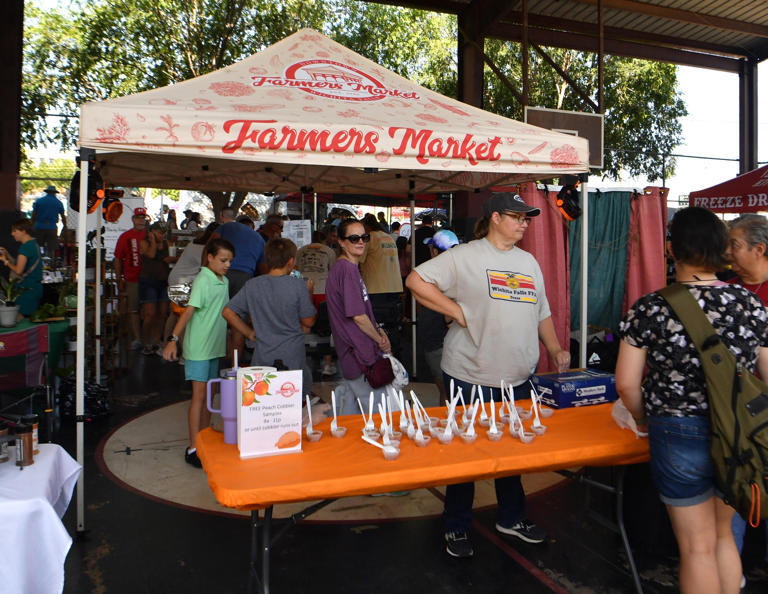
[(85, 155), (315, 226), (583, 331), (97, 298), (413, 299)]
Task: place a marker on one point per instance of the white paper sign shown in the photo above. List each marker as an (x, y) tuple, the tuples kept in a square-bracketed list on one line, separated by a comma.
[(299, 232), (268, 411)]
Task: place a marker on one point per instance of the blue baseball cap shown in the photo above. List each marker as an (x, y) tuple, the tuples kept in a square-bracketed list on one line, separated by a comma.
[(442, 240)]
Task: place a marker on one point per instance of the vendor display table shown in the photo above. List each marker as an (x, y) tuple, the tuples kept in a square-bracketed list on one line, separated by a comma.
[(332, 468), (32, 501)]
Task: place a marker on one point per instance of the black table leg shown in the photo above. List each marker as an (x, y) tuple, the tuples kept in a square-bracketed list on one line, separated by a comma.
[(265, 546), (256, 580), (619, 489)]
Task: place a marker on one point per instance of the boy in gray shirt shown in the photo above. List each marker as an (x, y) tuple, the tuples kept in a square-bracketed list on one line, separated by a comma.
[(280, 309)]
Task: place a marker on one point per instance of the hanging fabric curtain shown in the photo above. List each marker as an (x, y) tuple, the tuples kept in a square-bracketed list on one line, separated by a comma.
[(646, 266), (609, 217), (546, 240)]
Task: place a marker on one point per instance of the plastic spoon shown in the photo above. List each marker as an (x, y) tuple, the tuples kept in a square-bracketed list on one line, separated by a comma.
[(537, 427), (493, 428), (391, 424), (404, 421), (369, 426), (372, 442), (309, 414), (417, 402), (471, 429), (334, 424), (385, 432), (483, 415), (543, 410), (312, 435)]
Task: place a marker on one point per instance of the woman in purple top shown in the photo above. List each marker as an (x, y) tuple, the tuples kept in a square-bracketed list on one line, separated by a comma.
[(358, 339)]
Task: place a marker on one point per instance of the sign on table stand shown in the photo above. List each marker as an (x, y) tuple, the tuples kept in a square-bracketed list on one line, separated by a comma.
[(268, 411)]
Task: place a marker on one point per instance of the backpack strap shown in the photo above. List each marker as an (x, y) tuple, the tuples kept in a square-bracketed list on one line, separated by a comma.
[(693, 318)]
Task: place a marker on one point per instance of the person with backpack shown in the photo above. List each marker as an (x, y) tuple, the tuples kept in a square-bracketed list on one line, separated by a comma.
[(671, 398)]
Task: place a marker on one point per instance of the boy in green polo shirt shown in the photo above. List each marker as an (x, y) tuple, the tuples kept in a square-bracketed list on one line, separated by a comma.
[(205, 340)]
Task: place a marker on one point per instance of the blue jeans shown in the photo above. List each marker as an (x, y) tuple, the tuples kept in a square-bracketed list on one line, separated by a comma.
[(681, 463), (510, 497)]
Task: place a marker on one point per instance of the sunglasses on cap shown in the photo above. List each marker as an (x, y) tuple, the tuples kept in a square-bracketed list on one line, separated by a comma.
[(365, 238)]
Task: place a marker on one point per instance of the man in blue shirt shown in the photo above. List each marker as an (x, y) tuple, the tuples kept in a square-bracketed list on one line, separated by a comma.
[(45, 215), (248, 262)]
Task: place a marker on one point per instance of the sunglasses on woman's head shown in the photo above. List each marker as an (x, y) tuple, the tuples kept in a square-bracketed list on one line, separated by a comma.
[(365, 238)]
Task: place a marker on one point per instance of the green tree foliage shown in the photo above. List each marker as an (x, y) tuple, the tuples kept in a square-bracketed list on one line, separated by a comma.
[(108, 48), (37, 177)]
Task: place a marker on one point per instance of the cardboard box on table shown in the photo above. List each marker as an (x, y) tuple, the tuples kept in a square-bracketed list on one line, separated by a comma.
[(268, 412), (578, 387)]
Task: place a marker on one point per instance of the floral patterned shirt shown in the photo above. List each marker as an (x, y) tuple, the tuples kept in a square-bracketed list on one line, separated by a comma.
[(675, 384)]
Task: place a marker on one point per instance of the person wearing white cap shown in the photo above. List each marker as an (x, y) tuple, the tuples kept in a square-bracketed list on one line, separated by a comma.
[(494, 293)]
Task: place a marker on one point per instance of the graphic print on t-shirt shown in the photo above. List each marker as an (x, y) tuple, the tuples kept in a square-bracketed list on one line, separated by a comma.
[(511, 286)]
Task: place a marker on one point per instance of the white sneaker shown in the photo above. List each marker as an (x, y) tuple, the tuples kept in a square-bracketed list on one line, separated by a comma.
[(328, 369)]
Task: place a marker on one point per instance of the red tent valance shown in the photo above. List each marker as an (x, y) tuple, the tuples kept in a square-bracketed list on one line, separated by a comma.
[(746, 193)]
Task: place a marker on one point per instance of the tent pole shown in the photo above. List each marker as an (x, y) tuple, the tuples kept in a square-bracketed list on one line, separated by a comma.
[(413, 299), (584, 273), (314, 197), (82, 216), (450, 210), (97, 297), (302, 205)]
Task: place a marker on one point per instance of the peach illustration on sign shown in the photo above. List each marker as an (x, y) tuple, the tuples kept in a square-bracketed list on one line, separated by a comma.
[(256, 385), (288, 439)]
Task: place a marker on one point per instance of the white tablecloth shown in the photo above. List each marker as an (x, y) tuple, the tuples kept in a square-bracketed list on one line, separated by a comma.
[(32, 502)]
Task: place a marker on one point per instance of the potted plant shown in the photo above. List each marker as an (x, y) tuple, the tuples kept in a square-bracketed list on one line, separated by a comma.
[(9, 311)]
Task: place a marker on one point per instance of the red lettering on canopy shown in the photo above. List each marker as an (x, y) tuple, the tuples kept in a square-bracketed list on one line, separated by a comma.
[(427, 147), (273, 138)]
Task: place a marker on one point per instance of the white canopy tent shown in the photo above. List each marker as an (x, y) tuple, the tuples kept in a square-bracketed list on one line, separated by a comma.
[(308, 115)]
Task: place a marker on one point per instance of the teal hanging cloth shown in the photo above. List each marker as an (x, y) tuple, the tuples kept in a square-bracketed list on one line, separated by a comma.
[(609, 214)]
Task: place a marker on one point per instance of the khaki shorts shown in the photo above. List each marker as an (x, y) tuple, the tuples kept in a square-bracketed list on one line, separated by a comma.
[(132, 295)]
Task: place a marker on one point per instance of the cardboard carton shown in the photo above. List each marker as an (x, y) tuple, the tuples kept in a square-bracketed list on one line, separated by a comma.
[(578, 387)]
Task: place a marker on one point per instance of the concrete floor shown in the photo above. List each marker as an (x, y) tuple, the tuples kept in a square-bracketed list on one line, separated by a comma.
[(138, 542)]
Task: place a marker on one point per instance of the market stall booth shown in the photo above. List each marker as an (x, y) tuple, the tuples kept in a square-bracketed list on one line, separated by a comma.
[(744, 193), (308, 115)]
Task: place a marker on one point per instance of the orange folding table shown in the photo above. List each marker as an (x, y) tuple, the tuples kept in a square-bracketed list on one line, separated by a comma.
[(333, 468)]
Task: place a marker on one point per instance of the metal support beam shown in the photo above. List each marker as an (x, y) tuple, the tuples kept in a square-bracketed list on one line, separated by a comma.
[(524, 52), (748, 116), (470, 57), (11, 48), (684, 16), (614, 47), (600, 58)]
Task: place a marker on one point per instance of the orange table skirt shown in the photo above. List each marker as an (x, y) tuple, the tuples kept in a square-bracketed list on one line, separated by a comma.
[(332, 467)]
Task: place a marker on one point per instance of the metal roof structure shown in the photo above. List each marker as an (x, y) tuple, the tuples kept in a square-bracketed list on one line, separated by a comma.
[(713, 34), (725, 35)]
